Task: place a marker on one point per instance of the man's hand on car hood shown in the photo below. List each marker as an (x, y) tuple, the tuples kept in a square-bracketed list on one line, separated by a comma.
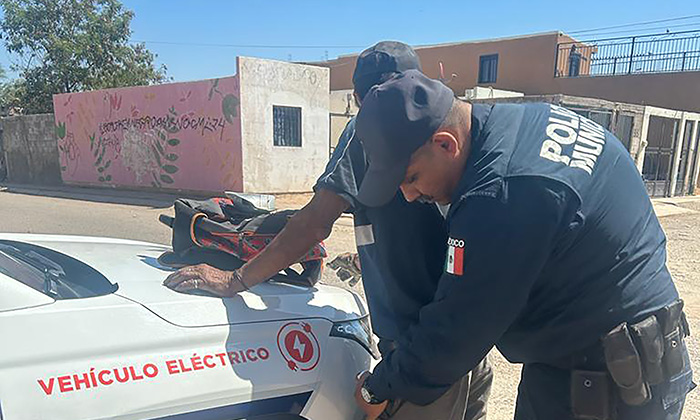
[(207, 278)]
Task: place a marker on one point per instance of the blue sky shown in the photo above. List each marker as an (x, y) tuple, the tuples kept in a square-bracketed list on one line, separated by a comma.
[(178, 30)]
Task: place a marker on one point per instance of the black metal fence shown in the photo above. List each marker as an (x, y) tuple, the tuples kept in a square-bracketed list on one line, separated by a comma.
[(660, 53)]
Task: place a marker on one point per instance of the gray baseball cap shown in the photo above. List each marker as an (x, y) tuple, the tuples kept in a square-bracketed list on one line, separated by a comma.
[(382, 58), (396, 119)]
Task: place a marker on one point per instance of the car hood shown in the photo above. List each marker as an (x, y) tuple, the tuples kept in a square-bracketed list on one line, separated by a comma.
[(134, 267)]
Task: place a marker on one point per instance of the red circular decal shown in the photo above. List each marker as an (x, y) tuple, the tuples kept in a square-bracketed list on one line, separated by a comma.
[(298, 345)]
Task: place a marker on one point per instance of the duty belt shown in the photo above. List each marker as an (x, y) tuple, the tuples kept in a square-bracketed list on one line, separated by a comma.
[(669, 321), (631, 358)]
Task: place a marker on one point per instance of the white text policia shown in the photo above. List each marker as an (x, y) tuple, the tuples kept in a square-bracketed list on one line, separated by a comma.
[(566, 128)]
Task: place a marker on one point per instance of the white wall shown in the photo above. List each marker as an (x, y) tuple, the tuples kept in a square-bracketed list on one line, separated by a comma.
[(343, 108), (480, 92), (264, 83)]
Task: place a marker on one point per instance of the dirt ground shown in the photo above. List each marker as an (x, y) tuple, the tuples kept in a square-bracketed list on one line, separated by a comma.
[(683, 232)]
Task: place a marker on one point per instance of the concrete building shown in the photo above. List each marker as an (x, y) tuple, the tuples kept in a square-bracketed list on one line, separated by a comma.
[(284, 124), (263, 130), (647, 88), (659, 70)]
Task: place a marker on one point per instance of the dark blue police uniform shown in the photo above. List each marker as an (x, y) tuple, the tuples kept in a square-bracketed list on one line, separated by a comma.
[(401, 245), (552, 242)]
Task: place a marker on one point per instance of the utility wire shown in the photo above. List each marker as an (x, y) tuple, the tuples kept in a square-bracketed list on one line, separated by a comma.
[(635, 24), (652, 31)]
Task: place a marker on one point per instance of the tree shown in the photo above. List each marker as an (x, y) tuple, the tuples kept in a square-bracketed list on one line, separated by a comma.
[(12, 94), (8, 99), (73, 45)]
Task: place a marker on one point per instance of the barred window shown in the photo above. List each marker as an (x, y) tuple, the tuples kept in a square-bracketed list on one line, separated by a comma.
[(488, 68), (286, 126)]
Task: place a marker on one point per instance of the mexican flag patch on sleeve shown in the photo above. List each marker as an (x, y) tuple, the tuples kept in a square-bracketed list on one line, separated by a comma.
[(454, 263)]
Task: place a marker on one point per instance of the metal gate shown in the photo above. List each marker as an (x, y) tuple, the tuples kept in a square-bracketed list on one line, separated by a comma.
[(694, 166), (623, 129), (681, 184), (658, 155)]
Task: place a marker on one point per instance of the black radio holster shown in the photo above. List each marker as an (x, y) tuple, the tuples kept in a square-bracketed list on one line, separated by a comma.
[(674, 328), (650, 338), (625, 366)]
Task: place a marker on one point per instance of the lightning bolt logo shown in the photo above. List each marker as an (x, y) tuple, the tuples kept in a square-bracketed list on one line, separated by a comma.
[(299, 347)]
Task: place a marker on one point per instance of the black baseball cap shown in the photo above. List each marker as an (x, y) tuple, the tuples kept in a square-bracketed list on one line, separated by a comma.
[(380, 59), (396, 119)]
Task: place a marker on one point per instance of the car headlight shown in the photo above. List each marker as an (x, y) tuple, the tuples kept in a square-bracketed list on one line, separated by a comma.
[(357, 330)]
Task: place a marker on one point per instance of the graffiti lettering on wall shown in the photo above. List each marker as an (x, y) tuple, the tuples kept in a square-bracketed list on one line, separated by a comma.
[(115, 102), (169, 123), (282, 74), (164, 136)]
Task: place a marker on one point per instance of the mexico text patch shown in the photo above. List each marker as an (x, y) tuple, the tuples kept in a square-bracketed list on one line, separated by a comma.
[(454, 263)]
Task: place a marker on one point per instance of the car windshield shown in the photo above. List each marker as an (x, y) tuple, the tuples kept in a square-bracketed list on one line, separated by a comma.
[(12, 267), (52, 273)]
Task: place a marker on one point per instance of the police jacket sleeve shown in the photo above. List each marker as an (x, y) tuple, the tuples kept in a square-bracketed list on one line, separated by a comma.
[(503, 243)]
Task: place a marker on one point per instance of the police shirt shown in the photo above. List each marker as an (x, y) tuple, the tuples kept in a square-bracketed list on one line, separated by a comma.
[(401, 246), (552, 242)]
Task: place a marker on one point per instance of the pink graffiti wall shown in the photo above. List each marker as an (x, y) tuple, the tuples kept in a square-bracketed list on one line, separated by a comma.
[(172, 136)]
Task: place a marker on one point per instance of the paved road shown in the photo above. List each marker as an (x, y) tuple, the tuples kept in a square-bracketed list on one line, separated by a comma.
[(37, 214), (100, 212)]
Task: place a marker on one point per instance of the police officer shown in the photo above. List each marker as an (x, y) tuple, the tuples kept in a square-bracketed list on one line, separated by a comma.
[(401, 247), (554, 255)]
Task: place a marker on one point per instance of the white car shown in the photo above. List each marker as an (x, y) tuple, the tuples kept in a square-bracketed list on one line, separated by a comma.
[(88, 331)]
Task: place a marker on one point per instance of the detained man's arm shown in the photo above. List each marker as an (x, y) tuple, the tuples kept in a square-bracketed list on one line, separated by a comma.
[(307, 227), (506, 243)]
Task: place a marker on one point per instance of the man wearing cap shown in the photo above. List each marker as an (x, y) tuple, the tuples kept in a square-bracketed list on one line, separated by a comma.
[(402, 249), (554, 255)]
